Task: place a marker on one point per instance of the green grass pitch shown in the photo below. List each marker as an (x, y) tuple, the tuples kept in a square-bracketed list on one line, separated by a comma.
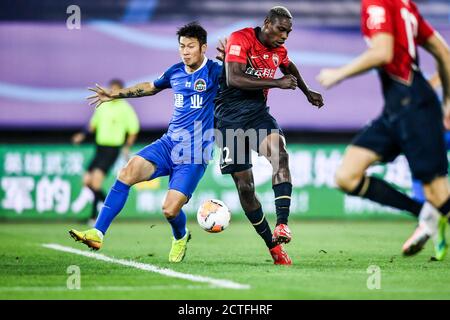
[(331, 259)]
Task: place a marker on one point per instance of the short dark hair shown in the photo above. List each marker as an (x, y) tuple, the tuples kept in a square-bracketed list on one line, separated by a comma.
[(119, 82), (277, 12), (193, 30)]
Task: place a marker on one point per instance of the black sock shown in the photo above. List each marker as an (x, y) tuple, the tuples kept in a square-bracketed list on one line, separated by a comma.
[(445, 208), (382, 192), (283, 192), (261, 226), (99, 196)]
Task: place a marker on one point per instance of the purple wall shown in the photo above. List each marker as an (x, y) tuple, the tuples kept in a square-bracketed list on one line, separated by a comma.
[(45, 68)]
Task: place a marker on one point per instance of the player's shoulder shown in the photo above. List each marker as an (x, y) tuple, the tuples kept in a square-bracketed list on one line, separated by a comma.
[(175, 68), (379, 3), (245, 33), (213, 65)]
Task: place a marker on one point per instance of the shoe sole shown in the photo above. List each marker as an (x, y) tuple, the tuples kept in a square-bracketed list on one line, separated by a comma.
[(91, 244), (182, 258), (416, 248), (282, 239)]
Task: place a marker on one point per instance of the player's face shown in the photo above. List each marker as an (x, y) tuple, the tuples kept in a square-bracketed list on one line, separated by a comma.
[(191, 52), (277, 31), (115, 86)]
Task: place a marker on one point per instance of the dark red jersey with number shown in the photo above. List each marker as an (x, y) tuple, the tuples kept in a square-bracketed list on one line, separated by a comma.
[(243, 46), (402, 20)]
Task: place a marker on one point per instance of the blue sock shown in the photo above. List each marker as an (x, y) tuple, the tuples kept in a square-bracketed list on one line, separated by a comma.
[(178, 225), (114, 202)]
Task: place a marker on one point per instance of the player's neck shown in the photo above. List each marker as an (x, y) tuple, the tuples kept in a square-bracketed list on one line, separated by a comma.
[(192, 69), (260, 36)]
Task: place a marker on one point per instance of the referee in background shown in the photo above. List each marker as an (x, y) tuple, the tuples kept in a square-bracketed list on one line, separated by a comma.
[(115, 125)]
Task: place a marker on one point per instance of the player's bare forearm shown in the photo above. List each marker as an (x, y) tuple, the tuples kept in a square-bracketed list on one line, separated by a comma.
[(315, 98), (236, 77), (438, 47), (292, 69), (136, 91), (131, 139), (380, 53)]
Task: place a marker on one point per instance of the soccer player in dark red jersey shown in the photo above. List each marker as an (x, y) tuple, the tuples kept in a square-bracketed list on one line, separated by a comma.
[(411, 120), (252, 56)]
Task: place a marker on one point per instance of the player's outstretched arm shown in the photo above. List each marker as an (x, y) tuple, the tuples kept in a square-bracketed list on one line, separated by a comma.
[(139, 90), (315, 98), (236, 77), (380, 53), (439, 49)]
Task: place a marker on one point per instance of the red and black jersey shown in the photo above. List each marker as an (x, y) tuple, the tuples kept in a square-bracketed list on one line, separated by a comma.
[(243, 46), (402, 20)]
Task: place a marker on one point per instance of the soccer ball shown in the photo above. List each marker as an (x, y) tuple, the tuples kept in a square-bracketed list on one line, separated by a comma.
[(213, 216)]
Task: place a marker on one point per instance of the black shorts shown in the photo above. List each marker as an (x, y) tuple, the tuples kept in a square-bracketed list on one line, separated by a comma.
[(411, 123), (238, 139), (104, 158)]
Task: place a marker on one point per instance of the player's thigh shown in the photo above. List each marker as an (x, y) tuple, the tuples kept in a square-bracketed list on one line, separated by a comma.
[(136, 170), (185, 178), (354, 163), (273, 148), (158, 154), (423, 142), (173, 203), (98, 176), (437, 191), (235, 154)]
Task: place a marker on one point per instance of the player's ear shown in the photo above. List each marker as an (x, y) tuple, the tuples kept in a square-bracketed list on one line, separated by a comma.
[(204, 48)]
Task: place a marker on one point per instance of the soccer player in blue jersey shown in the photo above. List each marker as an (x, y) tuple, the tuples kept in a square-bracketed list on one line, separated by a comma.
[(177, 153)]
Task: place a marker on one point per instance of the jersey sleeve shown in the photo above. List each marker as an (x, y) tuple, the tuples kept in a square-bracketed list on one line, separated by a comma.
[(285, 62), (424, 29), (94, 119), (132, 120), (163, 82), (237, 48), (376, 17)]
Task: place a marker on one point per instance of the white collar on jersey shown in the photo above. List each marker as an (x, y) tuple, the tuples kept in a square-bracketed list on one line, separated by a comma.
[(205, 60)]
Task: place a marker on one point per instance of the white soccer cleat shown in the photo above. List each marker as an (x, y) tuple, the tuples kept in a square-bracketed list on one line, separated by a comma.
[(428, 228)]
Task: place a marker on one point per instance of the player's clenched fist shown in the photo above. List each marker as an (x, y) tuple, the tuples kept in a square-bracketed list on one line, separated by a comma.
[(287, 82), (329, 77), (315, 98)]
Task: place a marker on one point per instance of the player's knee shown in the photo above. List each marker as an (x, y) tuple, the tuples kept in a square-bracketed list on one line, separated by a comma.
[(169, 211), (128, 174), (347, 181), (246, 189)]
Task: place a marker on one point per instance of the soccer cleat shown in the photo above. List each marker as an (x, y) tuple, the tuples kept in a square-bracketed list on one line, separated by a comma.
[(178, 250), (427, 228), (282, 234), (440, 243), (280, 256), (416, 242), (93, 238)]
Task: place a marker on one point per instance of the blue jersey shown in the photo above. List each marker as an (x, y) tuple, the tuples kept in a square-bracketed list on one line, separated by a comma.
[(194, 95)]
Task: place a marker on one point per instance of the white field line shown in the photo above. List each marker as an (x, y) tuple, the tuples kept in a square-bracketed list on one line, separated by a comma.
[(105, 288), (151, 268)]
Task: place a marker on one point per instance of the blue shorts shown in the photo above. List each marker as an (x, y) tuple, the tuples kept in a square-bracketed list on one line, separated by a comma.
[(183, 177)]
